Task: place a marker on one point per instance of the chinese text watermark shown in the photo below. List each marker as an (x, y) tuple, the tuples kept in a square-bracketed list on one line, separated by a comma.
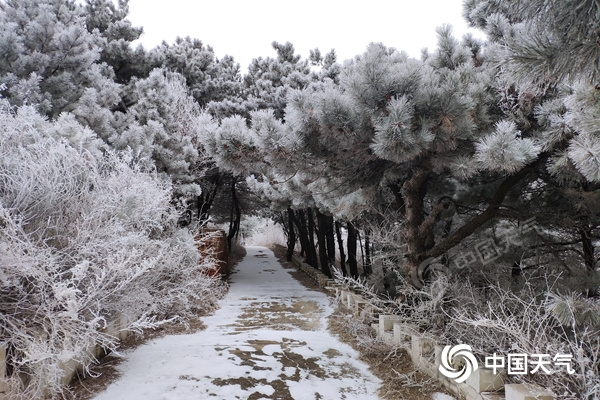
[(458, 362)]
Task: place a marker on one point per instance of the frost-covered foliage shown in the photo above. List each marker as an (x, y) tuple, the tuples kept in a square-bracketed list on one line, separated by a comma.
[(582, 116), (165, 131), (545, 39), (535, 317), (531, 320), (87, 236), (550, 54), (107, 20), (60, 56), (47, 55), (259, 231), (505, 149), (208, 78)]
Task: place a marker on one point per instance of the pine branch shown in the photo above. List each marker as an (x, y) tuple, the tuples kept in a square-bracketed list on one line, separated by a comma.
[(475, 223)]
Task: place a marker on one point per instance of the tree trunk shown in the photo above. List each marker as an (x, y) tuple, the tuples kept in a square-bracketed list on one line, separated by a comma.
[(291, 242), (330, 239), (302, 233), (352, 263), (588, 248), (368, 266), (323, 256), (420, 230), (311, 239), (414, 193), (235, 216), (338, 233)]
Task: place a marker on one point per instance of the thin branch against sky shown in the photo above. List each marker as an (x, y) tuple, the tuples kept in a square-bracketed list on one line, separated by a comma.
[(245, 29)]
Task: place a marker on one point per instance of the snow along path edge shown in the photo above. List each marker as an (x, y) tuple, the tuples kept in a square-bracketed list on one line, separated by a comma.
[(267, 341)]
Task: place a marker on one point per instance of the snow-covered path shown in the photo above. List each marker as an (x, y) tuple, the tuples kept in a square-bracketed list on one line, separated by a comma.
[(267, 341)]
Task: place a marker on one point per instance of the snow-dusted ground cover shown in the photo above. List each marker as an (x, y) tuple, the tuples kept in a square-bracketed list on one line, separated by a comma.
[(267, 341)]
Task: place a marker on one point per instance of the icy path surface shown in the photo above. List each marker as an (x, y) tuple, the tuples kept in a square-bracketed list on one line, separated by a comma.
[(267, 341)]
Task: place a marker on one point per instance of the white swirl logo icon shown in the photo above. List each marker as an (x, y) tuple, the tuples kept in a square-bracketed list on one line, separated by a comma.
[(458, 362)]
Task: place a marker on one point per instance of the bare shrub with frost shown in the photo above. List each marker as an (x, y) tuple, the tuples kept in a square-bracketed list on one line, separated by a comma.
[(498, 320), (389, 250), (424, 308), (532, 318), (87, 237)]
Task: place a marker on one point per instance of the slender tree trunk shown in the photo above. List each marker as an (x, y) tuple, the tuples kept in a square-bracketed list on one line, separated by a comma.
[(352, 263), (323, 256), (368, 265), (235, 216), (330, 238), (362, 250), (338, 233), (311, 239), (588, 248), (291, 243), (300, 222)]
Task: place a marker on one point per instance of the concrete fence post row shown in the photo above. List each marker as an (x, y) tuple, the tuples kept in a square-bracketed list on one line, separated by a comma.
[(117, 328), (425, 352)]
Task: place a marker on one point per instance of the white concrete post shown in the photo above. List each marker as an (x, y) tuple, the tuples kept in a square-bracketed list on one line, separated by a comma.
[(525, 391), (484, 380), (3, 383)]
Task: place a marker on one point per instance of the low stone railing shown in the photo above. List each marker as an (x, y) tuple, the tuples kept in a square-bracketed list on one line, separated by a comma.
[(424, 351), (116, 328)]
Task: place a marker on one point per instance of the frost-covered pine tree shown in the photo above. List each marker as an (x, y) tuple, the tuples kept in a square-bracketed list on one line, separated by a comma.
[(268, 79), (50, 60), (550, 69), (552, 45), (422, 130), (108, 21), (208, 78), (163, 129), (47, 56)]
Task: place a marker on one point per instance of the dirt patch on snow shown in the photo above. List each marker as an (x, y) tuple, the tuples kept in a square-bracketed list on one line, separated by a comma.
[(283, 358), (283, 314), (393, 366)]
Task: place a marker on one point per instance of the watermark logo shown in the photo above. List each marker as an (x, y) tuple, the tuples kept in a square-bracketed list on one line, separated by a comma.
[(489, 250), (483, 252), (458, 362), (523, 364), (430, 268)]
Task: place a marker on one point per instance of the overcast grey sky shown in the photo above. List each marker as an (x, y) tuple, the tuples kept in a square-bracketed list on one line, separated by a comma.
[(245, 29)]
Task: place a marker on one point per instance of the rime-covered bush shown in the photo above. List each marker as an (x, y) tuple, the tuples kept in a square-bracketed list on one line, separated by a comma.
[(536, 316), (531, 319), (87, 237)]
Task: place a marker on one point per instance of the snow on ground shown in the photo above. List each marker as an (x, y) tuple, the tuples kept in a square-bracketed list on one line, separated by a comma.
[(442, 396), (267, 341)]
